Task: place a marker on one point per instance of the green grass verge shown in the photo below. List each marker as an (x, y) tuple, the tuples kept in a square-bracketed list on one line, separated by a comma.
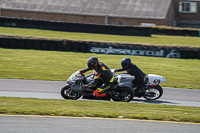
[(54, 65), (154, 40), (105, 109)]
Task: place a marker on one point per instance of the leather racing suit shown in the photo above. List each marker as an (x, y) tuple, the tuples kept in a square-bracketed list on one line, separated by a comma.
[(102, 72)]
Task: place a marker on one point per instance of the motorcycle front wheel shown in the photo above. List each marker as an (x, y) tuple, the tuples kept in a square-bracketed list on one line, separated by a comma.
[(68, 93), (153, 93), (124, 94)]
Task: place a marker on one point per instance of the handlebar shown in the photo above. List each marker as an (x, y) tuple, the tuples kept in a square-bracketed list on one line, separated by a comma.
[(83, 75)]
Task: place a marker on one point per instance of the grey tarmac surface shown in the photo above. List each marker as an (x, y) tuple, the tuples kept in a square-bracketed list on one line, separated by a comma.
[(51, 90), (36, 124)]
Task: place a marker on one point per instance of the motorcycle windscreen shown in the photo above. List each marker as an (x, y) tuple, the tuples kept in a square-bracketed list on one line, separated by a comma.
[(154, 79)]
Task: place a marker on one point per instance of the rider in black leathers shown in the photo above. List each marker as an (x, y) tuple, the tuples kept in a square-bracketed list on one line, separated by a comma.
[(132, 69), (102, 72)]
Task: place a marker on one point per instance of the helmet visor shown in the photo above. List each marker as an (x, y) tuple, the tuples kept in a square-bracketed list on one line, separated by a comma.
[(91, 65), (125, 65)]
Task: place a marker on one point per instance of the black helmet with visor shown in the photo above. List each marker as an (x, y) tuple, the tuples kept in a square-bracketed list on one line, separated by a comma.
[(125, 63), (92, 63)]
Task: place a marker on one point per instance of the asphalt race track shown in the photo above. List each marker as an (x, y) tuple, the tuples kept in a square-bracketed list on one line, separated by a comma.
[(36, 124), (51, 90)]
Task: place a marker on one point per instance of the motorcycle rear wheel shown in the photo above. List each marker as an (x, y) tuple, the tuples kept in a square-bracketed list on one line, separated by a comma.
[(68, 93), (155, 91), (124, 94)]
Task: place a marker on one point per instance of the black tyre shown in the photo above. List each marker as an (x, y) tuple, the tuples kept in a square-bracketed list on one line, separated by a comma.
[(153, 93), (124, 94), (68, 93)]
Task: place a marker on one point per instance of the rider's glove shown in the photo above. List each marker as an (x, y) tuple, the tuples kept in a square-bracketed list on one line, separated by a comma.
[(81, 71)]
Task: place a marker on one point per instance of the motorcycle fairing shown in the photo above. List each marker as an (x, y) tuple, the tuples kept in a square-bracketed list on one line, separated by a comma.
[(154, 79), (125, 79)]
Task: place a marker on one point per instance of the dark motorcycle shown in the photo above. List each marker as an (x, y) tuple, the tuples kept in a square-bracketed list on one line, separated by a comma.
[(120, 91)]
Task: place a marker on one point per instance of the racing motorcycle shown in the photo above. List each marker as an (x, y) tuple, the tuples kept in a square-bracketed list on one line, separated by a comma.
[(120, 90), (151, 91)]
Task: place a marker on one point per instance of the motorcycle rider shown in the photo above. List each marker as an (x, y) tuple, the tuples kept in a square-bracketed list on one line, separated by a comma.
[(132, 69), (102, 72)]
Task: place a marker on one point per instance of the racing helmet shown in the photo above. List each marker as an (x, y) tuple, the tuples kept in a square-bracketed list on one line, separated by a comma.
[(125, 63), (92, 62)]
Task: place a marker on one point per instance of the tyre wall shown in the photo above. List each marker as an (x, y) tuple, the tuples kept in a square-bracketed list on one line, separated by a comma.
[(174, 32), (99, 48), (94, 28), (75, 27)]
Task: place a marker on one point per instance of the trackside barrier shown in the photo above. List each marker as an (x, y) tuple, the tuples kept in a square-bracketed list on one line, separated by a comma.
[(75, 27), (99, 48), (175, 32), (93, 28), (199, 33)]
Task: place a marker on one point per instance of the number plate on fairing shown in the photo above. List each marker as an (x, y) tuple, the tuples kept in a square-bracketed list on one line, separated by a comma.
[(154, 80)]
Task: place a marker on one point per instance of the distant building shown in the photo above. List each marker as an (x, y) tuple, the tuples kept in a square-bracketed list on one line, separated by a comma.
[(187, 13), (184, 13)]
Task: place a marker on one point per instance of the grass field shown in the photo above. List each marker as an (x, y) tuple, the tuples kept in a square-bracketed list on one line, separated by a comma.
[(154, 40), (103, 109), (53, 65)]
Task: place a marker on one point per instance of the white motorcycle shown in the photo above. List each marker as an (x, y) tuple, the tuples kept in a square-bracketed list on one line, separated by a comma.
[(152, 89)]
